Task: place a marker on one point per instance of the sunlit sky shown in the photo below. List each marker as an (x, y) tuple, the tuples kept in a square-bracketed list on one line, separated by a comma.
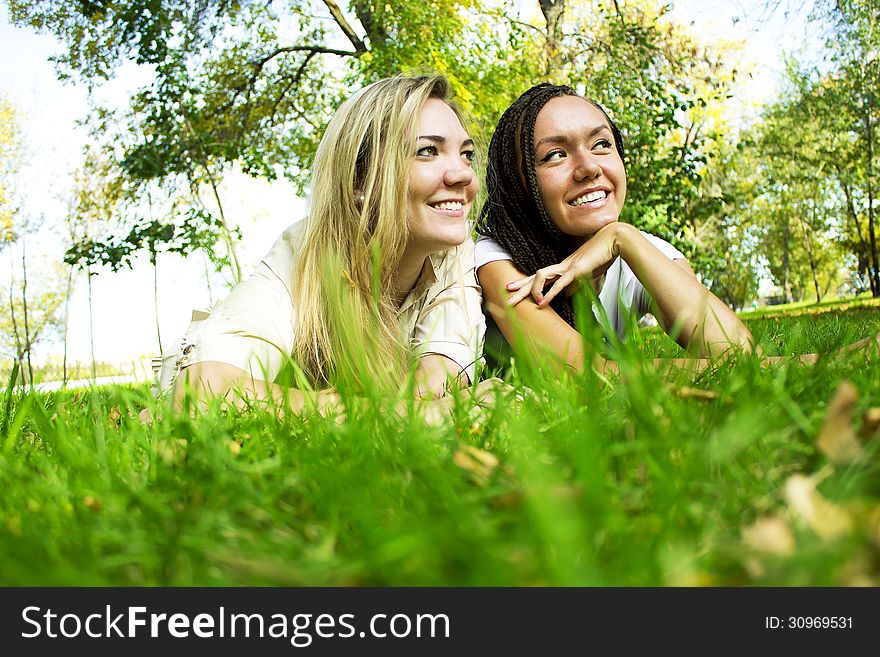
[(123, 306)]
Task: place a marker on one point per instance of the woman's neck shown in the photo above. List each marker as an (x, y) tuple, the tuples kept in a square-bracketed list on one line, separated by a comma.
[(406, 275)]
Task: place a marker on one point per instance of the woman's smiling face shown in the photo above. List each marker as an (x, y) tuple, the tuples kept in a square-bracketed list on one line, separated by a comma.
[(442, 182), (581, 178)]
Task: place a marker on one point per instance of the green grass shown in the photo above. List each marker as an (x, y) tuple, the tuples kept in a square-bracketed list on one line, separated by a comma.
[(634, 482)]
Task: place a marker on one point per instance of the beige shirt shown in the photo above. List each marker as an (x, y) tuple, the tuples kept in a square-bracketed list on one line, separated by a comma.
[(253, 328)]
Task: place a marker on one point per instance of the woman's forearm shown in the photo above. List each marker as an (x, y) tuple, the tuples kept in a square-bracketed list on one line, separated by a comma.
[(214, 380), (696, 318)]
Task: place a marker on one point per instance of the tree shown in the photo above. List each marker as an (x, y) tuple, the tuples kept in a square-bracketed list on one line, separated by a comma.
[(10, 162), (246, 82), (252, 84), (725, 224), (41, 300), (817, 134)]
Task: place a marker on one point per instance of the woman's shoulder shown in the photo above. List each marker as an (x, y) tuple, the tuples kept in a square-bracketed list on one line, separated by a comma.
[(664, 247), (488, 250), (282, 256)]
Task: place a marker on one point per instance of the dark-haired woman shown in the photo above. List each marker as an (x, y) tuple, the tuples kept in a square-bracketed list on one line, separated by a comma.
[(556, 186)]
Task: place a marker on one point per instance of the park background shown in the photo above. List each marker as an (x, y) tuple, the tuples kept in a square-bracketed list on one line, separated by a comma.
[(153, 151), (751, 133)]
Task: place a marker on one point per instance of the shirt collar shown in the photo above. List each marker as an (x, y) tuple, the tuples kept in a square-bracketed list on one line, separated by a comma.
[(429, 275)]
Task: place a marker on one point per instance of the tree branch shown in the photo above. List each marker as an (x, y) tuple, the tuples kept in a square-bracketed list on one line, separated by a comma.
[(310, 49), (338, 16)]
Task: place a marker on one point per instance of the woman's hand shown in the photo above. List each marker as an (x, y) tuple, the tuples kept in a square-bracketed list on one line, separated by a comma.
[(589, 261)]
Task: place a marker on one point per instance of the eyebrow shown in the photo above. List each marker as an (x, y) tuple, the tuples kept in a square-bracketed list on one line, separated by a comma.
[(562, 139), (439, 139)]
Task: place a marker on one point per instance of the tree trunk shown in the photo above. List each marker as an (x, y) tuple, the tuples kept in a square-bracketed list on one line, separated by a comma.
[(865, 255), (786, 279), (869, 135), (155, 259), (66, 322), (553, 11), (208, 282), (24, 307), (227, 234), (91, 325), (373, 25), (808, 245), (18, 350)]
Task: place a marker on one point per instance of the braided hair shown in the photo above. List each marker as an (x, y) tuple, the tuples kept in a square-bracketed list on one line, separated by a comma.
[(514, 215)]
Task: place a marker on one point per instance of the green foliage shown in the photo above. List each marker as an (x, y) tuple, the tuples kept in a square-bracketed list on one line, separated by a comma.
[(253, 85), (10, 162), (821, 156), (639, 481), (46, 295)]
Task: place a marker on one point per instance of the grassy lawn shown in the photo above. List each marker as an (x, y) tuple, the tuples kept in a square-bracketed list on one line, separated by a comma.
[(653, 479)]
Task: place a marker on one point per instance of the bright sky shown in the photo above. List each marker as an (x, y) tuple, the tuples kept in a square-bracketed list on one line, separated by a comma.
[(123, 307)]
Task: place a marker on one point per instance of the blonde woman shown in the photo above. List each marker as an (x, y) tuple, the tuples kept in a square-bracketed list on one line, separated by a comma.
[(379, 277)]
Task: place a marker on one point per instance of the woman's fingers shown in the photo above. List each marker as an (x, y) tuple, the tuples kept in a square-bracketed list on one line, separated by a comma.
[(532, 285), (518, 285), (558, 286), (542, 278), (519, 295), (521, 289)]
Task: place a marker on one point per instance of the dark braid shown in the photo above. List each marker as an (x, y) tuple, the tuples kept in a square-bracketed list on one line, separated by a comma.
[(513, 215)]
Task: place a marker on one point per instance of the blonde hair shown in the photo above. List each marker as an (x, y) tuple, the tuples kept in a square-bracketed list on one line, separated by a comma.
[(356, 234)]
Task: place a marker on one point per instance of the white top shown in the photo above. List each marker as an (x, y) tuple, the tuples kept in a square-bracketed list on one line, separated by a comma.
[(622, 294), (253, 328)]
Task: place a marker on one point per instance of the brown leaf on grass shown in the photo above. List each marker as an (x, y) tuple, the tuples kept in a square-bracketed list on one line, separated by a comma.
[(145, 417), (507, 500), (114, 415), (858, 570), (92, 503), (870, 424), (514, 497), (837, 438), (825, 518), (872, 526), (476, 461), (770, 535), (234, 447), (687, 392), (171, 451)]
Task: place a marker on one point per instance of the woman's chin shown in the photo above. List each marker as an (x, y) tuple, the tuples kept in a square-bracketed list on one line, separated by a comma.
[(585, 229)]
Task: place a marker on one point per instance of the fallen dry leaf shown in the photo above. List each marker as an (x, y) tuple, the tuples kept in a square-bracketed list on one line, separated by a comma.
[(870, 424), (770, 535), (145, 417), (825, 518), (234, 447), (857, 571), (872, 526), (837, 438), (92, 503), (114, 415), (686, 392), (475, 461), (171, 451), (507, 500)]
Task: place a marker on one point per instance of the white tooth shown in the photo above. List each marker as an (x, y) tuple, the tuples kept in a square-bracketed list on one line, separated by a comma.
[(587, 198), (449, 205)]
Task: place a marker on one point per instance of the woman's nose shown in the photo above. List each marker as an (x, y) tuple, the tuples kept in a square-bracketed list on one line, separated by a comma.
[(459, 173), (587, 167)]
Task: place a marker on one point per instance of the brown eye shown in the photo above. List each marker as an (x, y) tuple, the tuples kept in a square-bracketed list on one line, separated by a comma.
[(552, 156)]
